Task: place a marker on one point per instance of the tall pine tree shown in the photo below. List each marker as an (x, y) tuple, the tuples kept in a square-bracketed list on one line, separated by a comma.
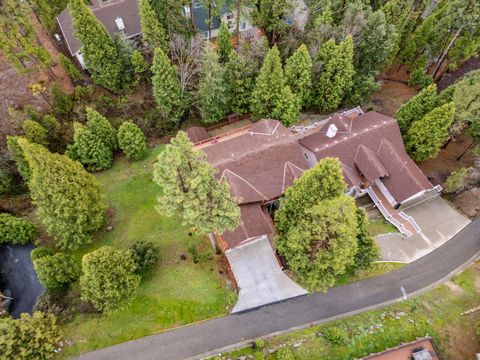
[(239, 82), (99, 51), (427, 135), (153, 34), (211, 87), (191, 190), (224, 44), (336, 73), (166, 86), (68, 199), (298, 74)]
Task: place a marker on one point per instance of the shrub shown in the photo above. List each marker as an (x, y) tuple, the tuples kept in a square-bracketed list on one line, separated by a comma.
[(284, 354), (259, 344), (198, 256), (108, 278), (16, 154), (335, 335), (62, 103), (54, 304), (258, 355), (145, 256), (30, 337), (40, 252), (35, 132), (456, 180), (68, 66), (15, 230), (56, 272), (132, 140), (5, 181)]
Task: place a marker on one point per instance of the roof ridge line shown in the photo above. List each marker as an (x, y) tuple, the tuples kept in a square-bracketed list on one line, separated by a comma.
[(241, 178)]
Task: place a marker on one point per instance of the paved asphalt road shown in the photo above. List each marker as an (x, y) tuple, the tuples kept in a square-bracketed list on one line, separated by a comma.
[(200, 338)]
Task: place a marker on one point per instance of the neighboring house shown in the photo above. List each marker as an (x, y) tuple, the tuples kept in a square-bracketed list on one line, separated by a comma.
[(117, 16), (422, 349), (198, 14), (262, 160)]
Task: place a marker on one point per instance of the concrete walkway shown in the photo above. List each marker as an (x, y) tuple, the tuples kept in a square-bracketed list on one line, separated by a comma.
[(259, 276), (439, 222)]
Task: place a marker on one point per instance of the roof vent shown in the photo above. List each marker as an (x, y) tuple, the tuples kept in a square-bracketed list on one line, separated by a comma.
[(120, 24), (332, 131)]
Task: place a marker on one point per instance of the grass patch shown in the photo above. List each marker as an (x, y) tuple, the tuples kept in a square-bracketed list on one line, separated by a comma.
[(178, 291), (380, 226), (375, 270), (436, 313)]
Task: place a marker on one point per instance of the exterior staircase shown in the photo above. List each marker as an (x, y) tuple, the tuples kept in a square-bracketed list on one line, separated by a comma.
[(403, 222)]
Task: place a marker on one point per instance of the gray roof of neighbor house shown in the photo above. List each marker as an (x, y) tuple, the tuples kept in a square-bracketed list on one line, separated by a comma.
[(106, 13), (371, 145), (260, 163), (200, 17)]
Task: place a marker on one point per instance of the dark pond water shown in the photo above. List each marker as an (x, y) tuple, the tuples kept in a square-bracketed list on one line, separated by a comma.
[(18, 276)]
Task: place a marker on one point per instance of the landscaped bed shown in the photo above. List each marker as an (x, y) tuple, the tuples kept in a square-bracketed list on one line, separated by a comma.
[(178, 291)]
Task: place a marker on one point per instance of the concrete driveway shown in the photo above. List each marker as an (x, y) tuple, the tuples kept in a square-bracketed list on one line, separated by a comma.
[(259, 276), (439, 223)]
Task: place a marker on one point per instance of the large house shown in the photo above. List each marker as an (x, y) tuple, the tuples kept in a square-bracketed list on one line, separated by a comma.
[(261, 160)]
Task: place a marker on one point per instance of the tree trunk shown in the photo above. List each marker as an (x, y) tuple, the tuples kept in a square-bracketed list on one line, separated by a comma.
[(209, 21), (239, 6), (442, 57), (469, 147), (192, 16)]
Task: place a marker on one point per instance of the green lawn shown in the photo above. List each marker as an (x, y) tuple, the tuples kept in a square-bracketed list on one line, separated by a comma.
[(380, 226), (376, 270), (178, 292), (436, 313)]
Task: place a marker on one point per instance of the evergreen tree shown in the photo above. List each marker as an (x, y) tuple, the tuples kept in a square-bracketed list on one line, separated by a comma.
[(140, 66), (68, 199), (427, 135), (153, 34), (268, 87), (56, 272), (166, 87), (89, 149), (171, 16), (323, 243), (298, 74), (368, 250), (466, 96), (271, 16), (101, 128), (99, 51), (191, 190), (323, 181), (212, 92), (224, 44), (132, 141), (109, 278), (16, 230), (35, 132), (68, 66), (336, 73), (35, 336), (288, 107), (416, 108), (239, 82), (18, 39), (16, 154)]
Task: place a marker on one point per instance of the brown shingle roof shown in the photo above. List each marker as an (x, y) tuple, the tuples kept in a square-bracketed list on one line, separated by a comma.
[(260, 163), (369, 164), (372, 131), (255, 223), (106, 14), (197, 133)]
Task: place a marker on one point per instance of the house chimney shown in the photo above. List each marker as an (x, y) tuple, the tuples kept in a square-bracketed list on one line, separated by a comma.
[(332, 131), (120, 24)]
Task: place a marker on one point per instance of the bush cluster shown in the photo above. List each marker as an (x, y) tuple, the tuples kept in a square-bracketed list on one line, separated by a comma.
[(132, 141), (16, 230), (144, 255)]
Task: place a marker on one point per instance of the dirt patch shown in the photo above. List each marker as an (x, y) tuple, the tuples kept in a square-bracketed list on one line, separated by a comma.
[(448, 160), (450, 77), (391, 95), (468, 202), (460, 342), (457, 290)]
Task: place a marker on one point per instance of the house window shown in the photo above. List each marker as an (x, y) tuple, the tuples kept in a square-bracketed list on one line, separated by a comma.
[(244, 26), (306, 156), (230, 16), (205, 35)]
